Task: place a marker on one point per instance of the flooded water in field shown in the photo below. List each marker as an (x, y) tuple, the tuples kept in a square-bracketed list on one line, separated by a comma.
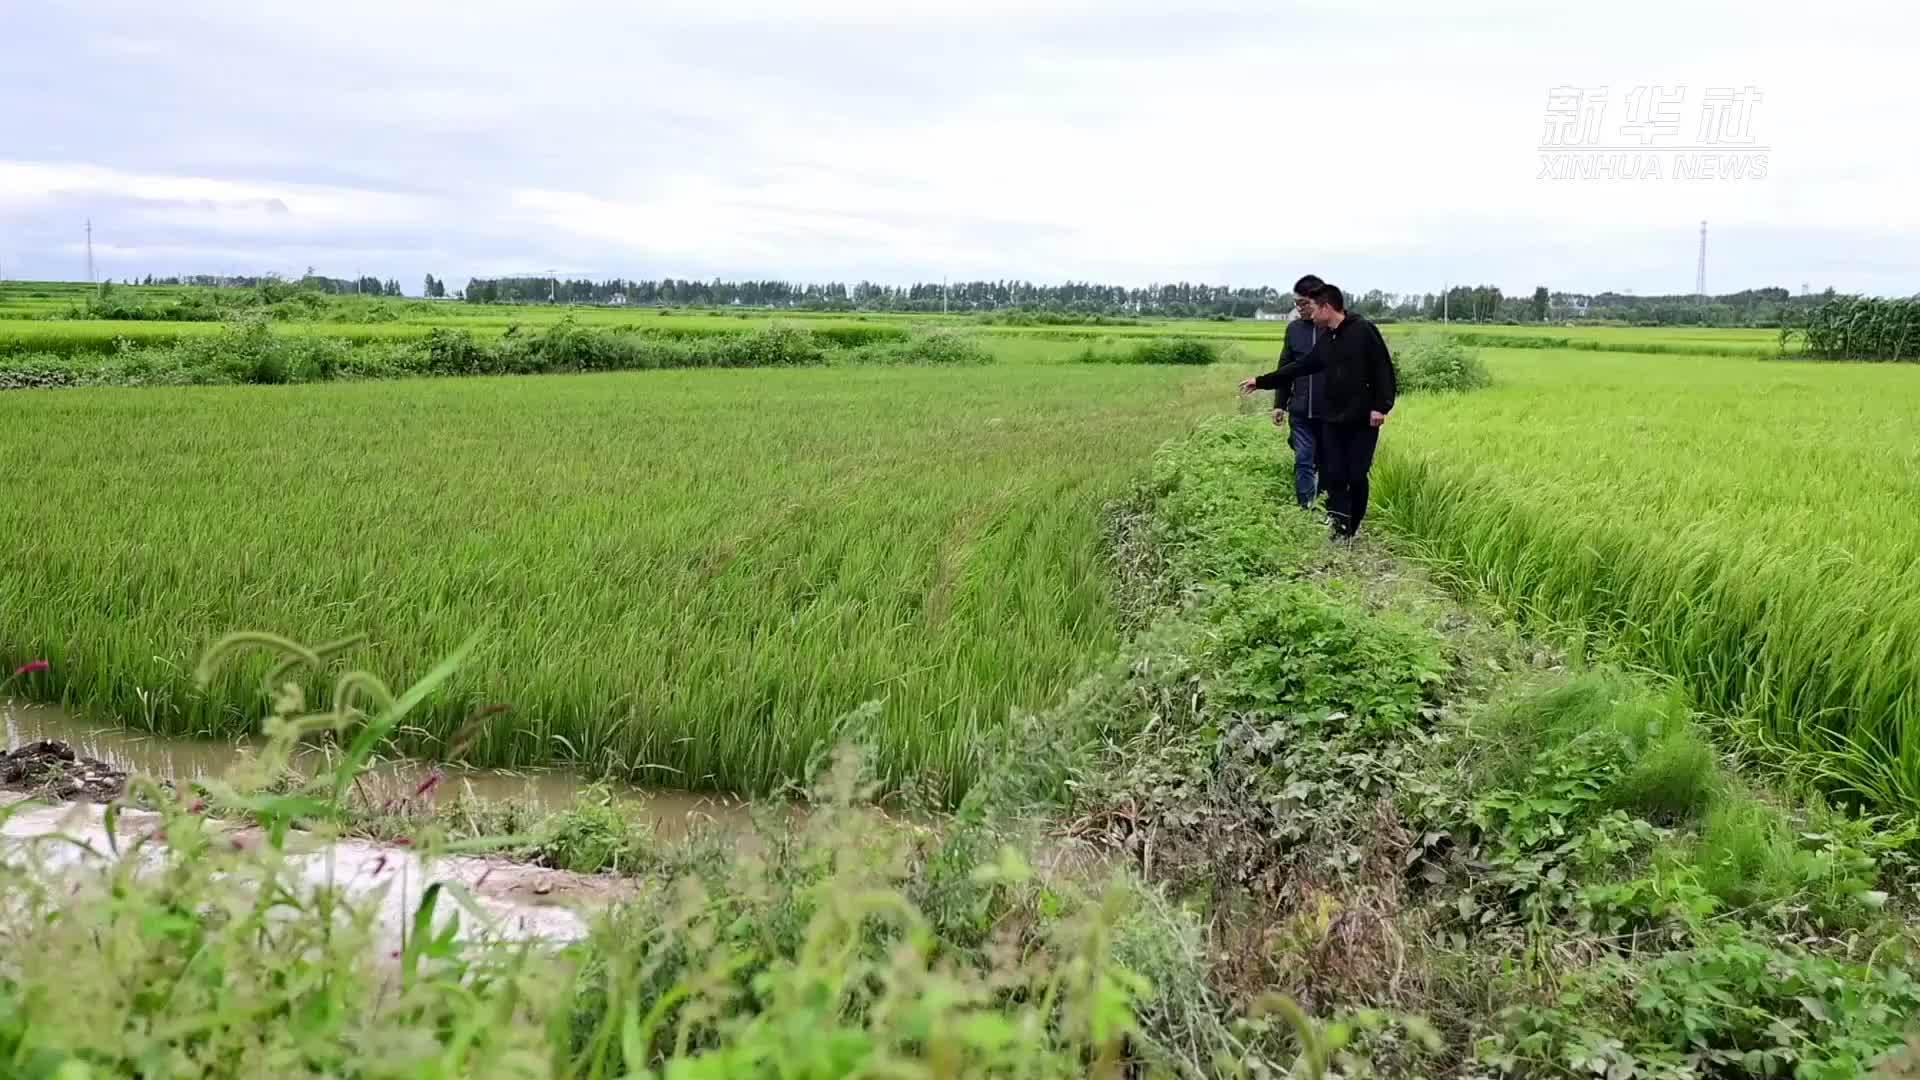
[(672, 813)]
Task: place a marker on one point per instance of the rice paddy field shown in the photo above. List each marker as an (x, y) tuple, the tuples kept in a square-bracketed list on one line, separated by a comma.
[(1679, 340), (701, 577), (1747, 526), (696, 578)]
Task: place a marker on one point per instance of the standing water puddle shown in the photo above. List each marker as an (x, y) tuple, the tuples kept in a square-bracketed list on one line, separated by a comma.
[(520, 901), (671, 813)]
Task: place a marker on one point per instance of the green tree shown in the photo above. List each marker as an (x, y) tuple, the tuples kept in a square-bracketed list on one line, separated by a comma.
[(1540, 303)]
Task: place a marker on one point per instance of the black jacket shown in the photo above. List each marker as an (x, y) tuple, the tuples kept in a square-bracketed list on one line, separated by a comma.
[(1360, 376), (1306, 396)]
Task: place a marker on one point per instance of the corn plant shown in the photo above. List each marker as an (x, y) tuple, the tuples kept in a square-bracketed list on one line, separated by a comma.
[(1859, 328)]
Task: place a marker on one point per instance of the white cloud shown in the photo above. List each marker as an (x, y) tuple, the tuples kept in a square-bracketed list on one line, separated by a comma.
[(204, 201), (1114, 140)]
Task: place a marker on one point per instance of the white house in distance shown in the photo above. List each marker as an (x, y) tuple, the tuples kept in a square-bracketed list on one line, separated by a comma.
[(1287, 314), (618, 299)]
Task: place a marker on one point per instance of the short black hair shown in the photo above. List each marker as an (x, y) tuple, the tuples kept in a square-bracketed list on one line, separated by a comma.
[(1331, 296), (1306, 285)]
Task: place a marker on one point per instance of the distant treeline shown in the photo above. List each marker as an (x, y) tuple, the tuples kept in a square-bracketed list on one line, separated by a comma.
[(1184, 300), (1081, 300), (1461, 303), (364, 286), (1770, 307)]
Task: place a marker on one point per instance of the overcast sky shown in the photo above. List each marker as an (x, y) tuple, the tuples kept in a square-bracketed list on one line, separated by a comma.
[(1388, 145)]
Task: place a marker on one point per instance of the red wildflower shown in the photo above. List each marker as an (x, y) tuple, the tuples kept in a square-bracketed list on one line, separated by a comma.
[(403, 841), (30, 667), (431, 781)]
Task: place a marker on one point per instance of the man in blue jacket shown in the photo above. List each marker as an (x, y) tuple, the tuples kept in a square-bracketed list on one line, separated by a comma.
[(1300, 403)]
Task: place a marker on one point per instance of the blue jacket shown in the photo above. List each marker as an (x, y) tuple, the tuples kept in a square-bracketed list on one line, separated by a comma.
[(1306, 396)]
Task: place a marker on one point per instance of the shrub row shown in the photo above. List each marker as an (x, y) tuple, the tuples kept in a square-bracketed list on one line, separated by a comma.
[(1434, 363), (247, 351), (1164, 350), (1549, 341)]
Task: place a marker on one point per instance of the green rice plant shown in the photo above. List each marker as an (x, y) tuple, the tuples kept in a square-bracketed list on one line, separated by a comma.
[(1660, 340), (1661, 513), (1660, 765), (1674, 777), (1751, 855), (221, 958), (740, 560)]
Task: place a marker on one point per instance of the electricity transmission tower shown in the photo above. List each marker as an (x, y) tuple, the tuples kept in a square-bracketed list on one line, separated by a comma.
[(1700, 272), (90, 277)]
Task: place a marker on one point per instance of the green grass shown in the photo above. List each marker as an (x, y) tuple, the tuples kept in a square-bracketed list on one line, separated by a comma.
[(1748, 527), (1683, 340), (839, 949), (78, 336), (690, 577)]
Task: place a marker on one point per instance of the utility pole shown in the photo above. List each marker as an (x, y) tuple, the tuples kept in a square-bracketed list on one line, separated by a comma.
[(943, 294), (1700, 273), (90, 250), (1446, 301)]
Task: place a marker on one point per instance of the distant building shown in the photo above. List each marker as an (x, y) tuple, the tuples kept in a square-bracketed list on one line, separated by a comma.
[(618, 299), (1264, 315)]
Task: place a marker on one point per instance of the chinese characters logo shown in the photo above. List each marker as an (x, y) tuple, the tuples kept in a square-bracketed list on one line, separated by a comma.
[(1651, 133)]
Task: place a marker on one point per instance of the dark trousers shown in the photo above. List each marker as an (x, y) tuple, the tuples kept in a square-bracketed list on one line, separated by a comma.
[(1346, 456), (1304, 436)]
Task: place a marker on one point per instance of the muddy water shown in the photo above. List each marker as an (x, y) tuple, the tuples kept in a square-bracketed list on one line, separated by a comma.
[(517, 902), (672, 813)]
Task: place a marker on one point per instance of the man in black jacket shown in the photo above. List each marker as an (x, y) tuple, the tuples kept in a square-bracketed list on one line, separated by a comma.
[(1301, 403), (1360, 391)]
